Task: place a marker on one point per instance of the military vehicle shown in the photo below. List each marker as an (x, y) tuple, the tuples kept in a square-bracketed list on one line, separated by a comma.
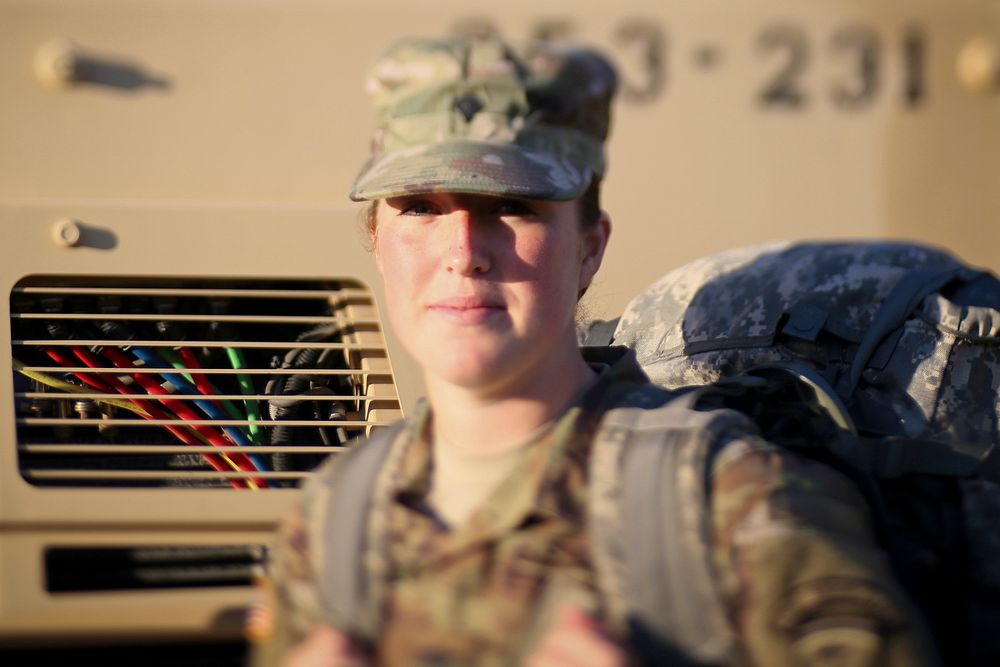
[(173, 217)]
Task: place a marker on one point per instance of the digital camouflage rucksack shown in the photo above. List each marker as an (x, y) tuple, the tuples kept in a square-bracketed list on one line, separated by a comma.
[(901, 343)]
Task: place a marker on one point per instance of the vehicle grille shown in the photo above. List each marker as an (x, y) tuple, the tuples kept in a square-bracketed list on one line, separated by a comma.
[(229, 383)]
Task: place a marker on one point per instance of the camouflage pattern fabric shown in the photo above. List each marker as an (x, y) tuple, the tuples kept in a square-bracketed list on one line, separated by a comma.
[(472, 115), (474, 594), (936, 378), (721, 315), (798, 572), (798, 567)]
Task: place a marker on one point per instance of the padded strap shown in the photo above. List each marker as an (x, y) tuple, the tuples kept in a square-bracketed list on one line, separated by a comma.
[(673, 608), (345, 582)]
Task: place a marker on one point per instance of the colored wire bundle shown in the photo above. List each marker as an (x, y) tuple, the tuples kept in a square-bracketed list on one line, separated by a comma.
[(152, 379), (244, 462), (107, 383), (183, 383)]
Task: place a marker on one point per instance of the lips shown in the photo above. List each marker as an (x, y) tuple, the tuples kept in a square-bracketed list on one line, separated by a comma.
[(468, 309)]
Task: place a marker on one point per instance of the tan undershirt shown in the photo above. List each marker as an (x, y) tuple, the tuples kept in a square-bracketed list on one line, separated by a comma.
[(462, 478)]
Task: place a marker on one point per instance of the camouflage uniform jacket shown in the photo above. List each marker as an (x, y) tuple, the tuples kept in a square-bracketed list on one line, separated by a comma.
[(797, 568)]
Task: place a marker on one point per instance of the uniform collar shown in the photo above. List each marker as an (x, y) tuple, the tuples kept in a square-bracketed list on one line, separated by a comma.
[(541, 484)]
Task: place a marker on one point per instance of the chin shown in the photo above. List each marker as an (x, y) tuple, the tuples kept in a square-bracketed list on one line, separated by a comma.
[(466, 368), (468, 373)]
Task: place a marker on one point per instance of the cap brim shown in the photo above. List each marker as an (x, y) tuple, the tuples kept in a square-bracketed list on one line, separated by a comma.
[(474, 167)]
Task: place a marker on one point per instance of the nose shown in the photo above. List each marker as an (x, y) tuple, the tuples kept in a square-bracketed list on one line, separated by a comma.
[(467, 254)]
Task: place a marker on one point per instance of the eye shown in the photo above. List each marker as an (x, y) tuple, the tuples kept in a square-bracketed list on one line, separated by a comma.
[(418, 208), (415, 206), (515, 208)]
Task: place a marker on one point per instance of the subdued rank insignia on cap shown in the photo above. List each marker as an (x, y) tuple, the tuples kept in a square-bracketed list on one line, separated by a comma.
[(468, 115), (469, 105)]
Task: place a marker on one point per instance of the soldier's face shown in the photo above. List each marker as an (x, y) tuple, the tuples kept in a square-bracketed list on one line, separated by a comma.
[(481, 290)]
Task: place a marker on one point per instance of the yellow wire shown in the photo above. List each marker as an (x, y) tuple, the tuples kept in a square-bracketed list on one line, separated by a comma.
[(250, 483), (71, 388), (225, 457)]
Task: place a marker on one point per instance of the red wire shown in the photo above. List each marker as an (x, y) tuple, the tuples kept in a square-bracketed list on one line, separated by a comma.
[(183, 411), (152, 412), (87, 379), (200, 381)]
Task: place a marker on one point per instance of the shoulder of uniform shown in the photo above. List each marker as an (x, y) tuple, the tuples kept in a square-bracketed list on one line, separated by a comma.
[(747, 464), (741, 446), (649, 406)]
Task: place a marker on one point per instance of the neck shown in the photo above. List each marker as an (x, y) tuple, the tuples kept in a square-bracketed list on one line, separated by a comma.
[(493, 420)]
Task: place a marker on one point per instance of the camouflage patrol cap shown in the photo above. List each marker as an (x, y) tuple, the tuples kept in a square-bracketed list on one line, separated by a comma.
[(471, 115)]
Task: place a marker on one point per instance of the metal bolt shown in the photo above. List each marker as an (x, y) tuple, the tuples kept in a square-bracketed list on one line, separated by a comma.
[(83, 407), (67, 232), (57, 62)]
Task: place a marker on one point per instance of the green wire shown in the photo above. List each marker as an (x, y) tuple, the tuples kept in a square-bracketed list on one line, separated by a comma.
[(246, 386), (174, 361)]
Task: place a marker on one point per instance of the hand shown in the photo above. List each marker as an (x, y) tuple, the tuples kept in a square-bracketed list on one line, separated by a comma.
[(327, 647), (577, 640)]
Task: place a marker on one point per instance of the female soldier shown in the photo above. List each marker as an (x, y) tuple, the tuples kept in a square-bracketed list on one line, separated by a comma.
[(486, 229)]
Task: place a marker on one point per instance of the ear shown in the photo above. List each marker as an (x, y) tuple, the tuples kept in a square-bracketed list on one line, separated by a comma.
[(371, 231), (377, 254), (595, 240)]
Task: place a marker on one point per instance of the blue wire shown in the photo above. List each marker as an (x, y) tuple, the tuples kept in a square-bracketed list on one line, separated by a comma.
[(153, 359)]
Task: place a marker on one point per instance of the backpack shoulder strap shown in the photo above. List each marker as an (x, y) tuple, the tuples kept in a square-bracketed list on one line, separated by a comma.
[(344, 529), (650, 528)]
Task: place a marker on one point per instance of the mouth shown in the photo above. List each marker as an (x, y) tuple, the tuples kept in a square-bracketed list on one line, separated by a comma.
[(468, 309)]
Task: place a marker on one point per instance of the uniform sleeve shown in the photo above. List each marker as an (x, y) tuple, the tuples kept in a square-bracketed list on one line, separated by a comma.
[(802, 578), (289, 595)]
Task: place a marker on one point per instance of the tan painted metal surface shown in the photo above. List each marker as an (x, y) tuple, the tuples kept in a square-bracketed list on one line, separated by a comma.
[(193, 138)]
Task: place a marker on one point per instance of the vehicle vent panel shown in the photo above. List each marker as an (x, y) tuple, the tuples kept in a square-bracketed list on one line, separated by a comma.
[(230, 383)]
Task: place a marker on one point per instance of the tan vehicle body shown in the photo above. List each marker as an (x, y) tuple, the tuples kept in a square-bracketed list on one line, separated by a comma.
[(191, 144)]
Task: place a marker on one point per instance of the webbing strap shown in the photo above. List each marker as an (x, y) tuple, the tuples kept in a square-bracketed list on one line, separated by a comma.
[(892, 456), (601, 333), (902, 300), (345, 581)]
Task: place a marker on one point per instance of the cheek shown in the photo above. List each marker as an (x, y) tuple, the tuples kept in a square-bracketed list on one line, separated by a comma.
[(399, 276), (554, 265), (398, 259)]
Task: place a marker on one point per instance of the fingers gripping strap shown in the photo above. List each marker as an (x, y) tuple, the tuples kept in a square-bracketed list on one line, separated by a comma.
[(345, 581)]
